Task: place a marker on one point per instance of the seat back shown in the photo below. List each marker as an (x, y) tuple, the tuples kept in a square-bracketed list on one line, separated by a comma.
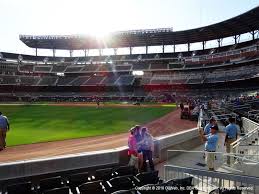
[(78, 179), (181, 182), (51, 183), (124, 192), (63, 190), (121, 183), (21, 188), (148, 178), (94, 187), (125, 170), (103, 174)]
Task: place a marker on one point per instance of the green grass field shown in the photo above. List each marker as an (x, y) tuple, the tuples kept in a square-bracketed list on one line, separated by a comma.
[(41, 123)]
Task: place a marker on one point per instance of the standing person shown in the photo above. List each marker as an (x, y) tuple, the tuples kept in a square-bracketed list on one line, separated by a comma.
[(206, 130), (133, 151), (211, 146), (181, 106), (231, 136), (147, 148), (97, 101), (139, 140), (4, 127), (211, 123)]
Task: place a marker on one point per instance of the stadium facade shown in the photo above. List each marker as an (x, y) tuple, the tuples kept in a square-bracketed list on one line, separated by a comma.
[(232, 67)]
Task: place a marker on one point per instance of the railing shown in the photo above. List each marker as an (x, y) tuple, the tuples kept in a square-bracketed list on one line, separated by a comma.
[(247, 145), (242, 165), (207, 181), (249, 125)]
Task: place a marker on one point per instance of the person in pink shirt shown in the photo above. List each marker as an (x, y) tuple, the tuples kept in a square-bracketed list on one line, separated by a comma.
[(133, 149)]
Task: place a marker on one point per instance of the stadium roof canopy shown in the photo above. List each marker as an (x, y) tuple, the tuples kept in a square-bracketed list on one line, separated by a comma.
[(246, 22)]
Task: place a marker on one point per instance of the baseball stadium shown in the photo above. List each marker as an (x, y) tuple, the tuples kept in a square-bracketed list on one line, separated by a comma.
[(132, 117)]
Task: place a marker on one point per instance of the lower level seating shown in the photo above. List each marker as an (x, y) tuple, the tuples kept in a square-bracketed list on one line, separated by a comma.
[(117, 180)]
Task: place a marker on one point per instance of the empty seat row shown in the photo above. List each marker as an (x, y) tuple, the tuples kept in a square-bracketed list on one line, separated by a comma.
[(103, 181)]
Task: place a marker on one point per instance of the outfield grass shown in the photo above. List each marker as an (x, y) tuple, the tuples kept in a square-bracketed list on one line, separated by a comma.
[(41, 123)]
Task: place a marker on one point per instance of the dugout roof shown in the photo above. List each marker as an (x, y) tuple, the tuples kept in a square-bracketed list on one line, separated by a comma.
[(246, 22)]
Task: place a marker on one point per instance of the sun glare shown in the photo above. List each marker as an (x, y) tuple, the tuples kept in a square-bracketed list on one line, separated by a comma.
[(99, 21)]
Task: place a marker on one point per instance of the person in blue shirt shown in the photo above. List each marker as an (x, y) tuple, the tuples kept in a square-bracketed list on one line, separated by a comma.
[(211, 146), (206, 129), (4, 127), (209, 125), (231, 136)]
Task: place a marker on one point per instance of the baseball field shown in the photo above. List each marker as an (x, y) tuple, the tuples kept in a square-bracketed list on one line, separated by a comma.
[(44, 123)]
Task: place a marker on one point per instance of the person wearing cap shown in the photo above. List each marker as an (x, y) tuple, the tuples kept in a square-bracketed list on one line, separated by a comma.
[(211, 123), (206, 130), (211, 146), (133, 151), (147, 149), (231, 136), (4, 127)]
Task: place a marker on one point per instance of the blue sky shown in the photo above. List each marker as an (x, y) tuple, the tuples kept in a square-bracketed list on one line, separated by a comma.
[(44, 17)]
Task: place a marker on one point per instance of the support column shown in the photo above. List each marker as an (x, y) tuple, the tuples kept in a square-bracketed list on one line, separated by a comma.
[(54, 52), (130, 48), (219, 42), (86, 52), (115, 51), (174, 48), (100, 52), (71, 53), (163, 48), (235, 38), (146, 49), (203, 45), (253, 35), (36, 50), (188, 45)]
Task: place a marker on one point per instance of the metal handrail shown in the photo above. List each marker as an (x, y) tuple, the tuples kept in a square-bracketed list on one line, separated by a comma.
[(206, 181)]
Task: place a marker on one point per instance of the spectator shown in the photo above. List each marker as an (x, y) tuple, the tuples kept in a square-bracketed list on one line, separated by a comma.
[(181, 106), (4, 127), (211, 146), (139, 140), (147, 148), (231, 136), (133, 152)]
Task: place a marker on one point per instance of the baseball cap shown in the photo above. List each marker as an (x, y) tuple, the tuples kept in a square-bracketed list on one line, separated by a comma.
[(214, 127), (132, 129)]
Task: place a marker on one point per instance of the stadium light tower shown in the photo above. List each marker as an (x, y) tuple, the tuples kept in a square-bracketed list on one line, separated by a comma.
[(20, 58), (45, 60)]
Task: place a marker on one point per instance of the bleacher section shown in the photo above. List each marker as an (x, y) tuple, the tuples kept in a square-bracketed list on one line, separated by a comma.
[(123, 67), (42, 69), (158, 66), (140, 66), (94, 80), (90, 68), (125, 80), (26, 68), (29, 80), (8, 80), (231, 63), (73, 69), (58, 68), (63, 81), (175, 65), (110, 80), (121, 179), (47, 81), (79, 80)]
